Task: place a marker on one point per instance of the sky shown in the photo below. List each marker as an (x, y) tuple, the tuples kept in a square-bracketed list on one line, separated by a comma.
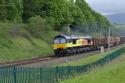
[(107, 7)]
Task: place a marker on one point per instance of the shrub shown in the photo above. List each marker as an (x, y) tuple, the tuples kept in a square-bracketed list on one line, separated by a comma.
[(37, 26)]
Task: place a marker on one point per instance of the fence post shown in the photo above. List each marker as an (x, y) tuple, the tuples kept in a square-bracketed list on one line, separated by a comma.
[(14, 74), (40, 74), (57, 74)]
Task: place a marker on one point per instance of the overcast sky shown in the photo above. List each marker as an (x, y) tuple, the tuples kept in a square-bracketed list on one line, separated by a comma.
[(108, 6)]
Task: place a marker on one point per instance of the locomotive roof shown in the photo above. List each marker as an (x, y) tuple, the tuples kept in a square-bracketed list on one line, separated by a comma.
[(74, 37)]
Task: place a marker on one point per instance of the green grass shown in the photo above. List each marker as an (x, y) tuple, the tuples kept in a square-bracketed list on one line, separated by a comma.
[(87, 60), (23, 49), (16, 43), (111, 73)]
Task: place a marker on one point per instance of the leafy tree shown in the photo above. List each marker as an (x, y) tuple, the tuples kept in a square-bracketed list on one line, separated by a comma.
[(11, 10), (58, 13), (3, 10)]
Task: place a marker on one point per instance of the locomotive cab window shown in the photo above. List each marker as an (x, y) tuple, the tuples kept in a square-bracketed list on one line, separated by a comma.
[(56, 41), (74, 41), (62, 40), (59, 40)]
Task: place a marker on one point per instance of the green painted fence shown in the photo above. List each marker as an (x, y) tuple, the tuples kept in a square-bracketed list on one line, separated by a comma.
[(14, 74)]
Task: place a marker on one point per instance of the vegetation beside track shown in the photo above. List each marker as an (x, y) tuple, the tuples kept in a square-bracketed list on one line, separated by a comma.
[(17, 43), (111, 73)]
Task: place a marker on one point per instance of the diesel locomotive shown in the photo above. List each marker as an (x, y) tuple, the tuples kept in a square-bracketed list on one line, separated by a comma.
[(65, 45)]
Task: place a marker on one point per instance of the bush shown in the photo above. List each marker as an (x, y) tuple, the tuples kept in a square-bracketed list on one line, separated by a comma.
[(37, 26)]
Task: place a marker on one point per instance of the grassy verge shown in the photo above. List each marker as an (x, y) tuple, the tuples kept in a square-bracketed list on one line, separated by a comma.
[(111, 73)]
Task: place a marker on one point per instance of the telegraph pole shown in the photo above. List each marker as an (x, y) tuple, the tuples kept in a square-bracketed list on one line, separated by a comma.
[(109, 38)]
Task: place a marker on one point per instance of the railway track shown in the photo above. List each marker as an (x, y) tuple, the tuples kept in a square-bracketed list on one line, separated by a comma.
[(49, 58), (42, 59), (29, 61)]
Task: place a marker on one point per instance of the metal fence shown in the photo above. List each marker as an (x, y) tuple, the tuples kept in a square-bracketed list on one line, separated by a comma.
[(14, 74)]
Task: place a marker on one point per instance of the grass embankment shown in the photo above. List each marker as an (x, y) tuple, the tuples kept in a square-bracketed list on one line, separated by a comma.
[(17, 43), (111, 73)]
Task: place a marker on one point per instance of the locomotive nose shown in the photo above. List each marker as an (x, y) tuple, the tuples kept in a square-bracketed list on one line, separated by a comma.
[(59, 46)]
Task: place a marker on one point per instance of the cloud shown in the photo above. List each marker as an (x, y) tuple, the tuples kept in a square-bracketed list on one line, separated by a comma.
[(107, 6), (108, 14)]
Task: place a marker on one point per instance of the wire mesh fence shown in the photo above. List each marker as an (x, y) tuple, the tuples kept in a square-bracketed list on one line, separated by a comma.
[(15, 74)]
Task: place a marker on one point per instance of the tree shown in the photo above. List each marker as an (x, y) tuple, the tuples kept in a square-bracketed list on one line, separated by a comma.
[(58, 13), (3, 11), (11, 10)]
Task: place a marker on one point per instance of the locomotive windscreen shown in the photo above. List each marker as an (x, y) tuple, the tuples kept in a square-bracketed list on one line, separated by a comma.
[(59, 40)]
